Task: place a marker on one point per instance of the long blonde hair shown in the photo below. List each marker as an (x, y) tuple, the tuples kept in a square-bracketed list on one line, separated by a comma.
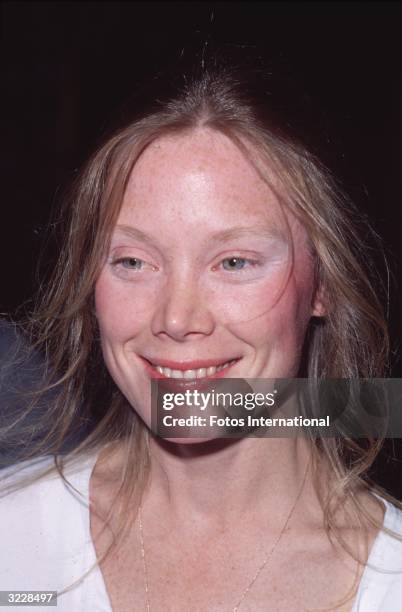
[(351, 341)]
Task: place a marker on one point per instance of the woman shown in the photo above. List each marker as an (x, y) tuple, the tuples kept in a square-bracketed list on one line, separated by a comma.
[(204, 242)]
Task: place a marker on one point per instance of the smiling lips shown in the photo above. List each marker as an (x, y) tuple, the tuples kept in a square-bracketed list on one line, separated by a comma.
[(191, 369)]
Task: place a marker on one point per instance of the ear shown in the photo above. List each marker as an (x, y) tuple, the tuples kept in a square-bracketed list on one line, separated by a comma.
[(319, 303)]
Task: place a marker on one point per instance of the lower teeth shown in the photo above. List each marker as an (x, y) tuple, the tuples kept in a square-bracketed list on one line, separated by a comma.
[(218, 369)]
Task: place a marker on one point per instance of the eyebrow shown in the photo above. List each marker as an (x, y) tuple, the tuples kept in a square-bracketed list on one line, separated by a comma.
[(133, 232), (226, 235), (260, 231)]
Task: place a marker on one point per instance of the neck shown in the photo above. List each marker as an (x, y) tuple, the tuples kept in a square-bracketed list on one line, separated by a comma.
[(218, 482)]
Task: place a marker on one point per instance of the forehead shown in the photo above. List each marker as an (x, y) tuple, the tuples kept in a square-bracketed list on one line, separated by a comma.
[(201, 177), (201, 150)]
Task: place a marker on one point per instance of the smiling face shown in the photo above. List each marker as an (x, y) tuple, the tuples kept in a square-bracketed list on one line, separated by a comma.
[(198, 274)]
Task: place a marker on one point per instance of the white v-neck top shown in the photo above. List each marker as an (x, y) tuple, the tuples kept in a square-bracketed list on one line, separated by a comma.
[(46, 544)]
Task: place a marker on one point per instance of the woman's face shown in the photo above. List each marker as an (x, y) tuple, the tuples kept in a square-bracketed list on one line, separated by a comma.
[(199, 272)]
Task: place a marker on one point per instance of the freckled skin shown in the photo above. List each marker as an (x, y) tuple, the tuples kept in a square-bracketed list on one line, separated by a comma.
[(182, 191), (212, 514)]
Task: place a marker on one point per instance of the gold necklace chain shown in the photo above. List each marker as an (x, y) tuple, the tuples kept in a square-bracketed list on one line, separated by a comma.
[(258, 572)]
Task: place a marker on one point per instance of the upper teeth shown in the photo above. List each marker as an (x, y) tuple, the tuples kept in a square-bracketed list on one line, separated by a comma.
[(200, 373)]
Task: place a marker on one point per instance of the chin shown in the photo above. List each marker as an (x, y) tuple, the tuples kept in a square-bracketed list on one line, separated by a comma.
[(195, 446), (187, 441)]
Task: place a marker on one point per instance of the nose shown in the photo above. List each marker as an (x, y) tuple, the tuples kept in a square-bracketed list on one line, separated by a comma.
[(182, 312)]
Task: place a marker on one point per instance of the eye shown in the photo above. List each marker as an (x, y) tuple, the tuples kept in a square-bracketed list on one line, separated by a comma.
[(125, 265), (235, 263), (130, 263)]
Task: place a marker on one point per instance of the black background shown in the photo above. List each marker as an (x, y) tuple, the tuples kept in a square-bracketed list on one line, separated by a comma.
[(67, 67)]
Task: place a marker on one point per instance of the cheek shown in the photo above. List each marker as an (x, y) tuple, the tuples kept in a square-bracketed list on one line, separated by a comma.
[(118, 324), (108, 313), (284, 322), (276, 337), (250, 299), (291, 322), (120, 315)]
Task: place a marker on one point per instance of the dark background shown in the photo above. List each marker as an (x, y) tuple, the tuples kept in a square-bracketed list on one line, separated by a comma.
[(67, 67)]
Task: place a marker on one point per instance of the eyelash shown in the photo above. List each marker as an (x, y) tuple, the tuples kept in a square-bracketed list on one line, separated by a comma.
[(122, 260), (253, 263)]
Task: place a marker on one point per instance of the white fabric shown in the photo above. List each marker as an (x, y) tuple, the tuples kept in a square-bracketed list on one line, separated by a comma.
[(46, 545)]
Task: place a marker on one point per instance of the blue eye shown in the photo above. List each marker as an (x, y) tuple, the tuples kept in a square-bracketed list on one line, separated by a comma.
[(234, 263), (130, 263)]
